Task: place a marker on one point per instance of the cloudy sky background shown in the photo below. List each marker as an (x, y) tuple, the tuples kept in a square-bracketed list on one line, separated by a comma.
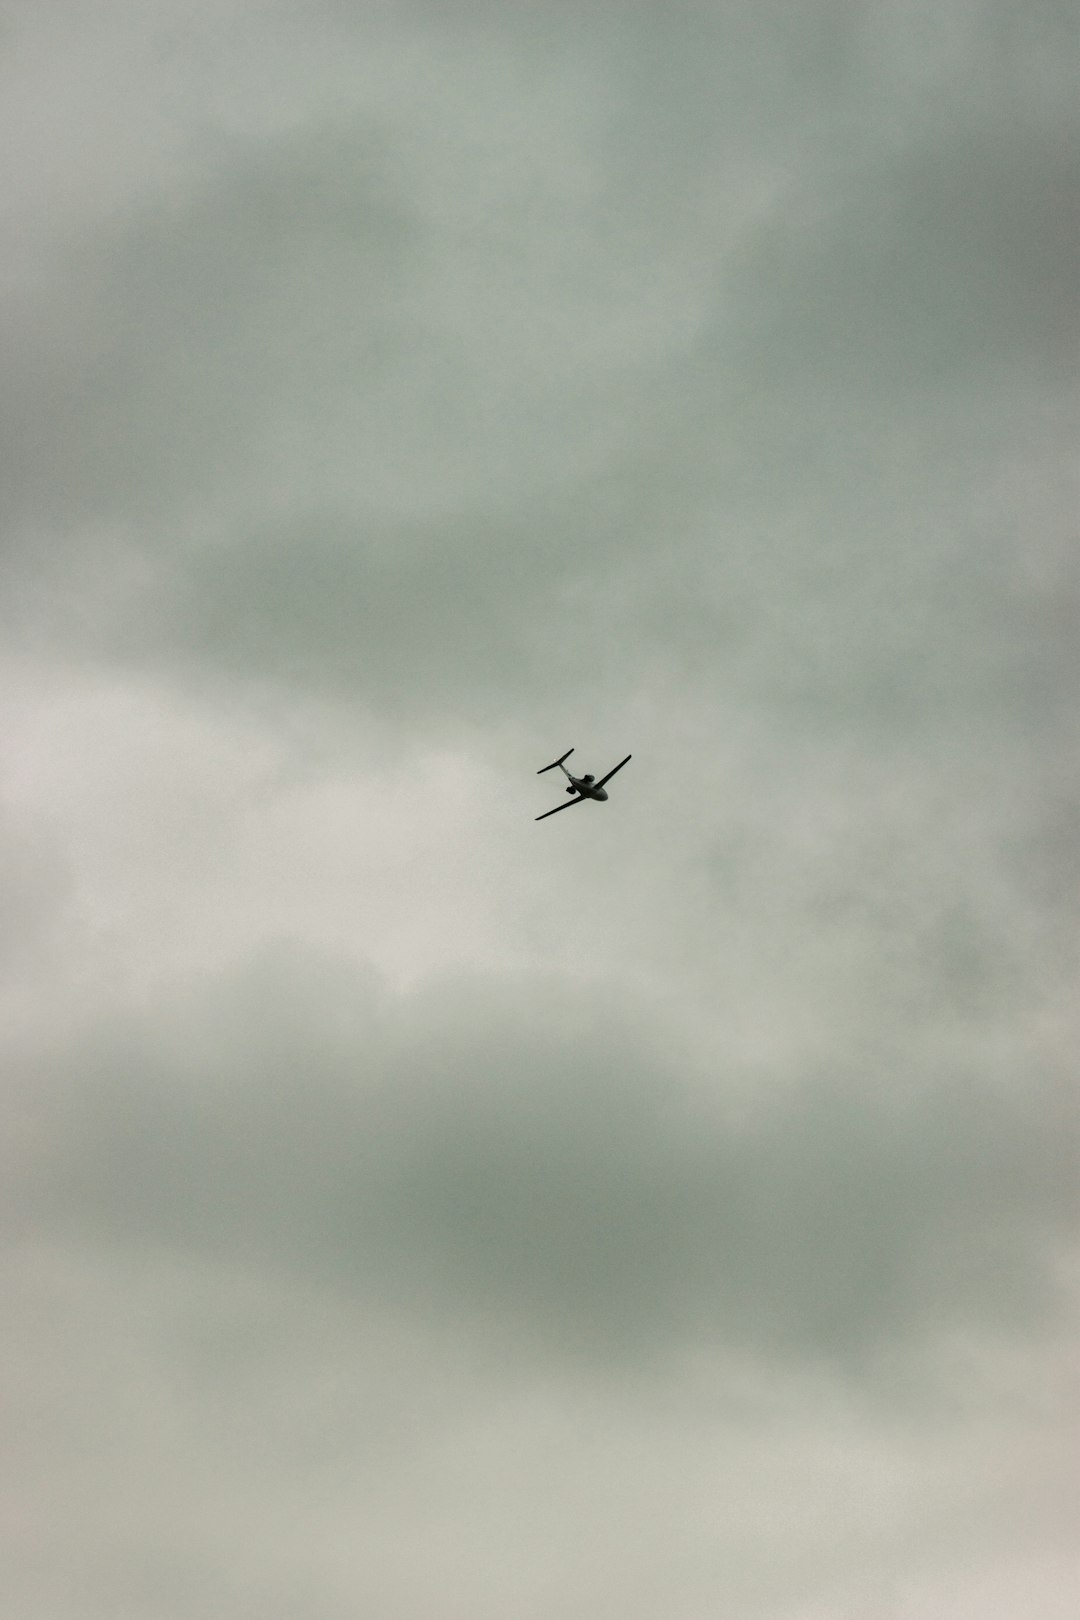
[(668, 1210)]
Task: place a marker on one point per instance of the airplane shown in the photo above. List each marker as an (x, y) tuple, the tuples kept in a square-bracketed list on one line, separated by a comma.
[(582, 787)]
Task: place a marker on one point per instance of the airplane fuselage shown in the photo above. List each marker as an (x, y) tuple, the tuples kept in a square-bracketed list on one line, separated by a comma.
[(586, 789)]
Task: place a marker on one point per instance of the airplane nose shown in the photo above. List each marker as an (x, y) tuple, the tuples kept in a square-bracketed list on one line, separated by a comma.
[(601, 793)]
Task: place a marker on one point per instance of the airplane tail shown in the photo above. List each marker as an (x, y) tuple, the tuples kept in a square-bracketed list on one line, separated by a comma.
[(554, 762)]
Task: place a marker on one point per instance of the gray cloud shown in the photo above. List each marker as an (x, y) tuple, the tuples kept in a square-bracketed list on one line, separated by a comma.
[(542, 1164), (279, 327), (669, 1208), (161, 372)]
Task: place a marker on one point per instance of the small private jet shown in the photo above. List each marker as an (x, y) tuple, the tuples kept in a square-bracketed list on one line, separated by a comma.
[(582, 787)]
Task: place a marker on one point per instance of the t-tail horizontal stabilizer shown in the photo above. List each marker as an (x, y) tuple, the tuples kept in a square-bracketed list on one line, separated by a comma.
[(553, 764)]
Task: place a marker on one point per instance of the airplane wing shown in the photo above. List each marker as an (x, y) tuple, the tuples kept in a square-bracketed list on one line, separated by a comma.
[(567, 806), (610, 773)]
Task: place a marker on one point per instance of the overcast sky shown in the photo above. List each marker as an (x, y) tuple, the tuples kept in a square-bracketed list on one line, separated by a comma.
[(665, 1212)]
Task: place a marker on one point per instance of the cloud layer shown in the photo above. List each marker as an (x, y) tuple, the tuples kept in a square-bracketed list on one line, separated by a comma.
[(671, 1208)]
